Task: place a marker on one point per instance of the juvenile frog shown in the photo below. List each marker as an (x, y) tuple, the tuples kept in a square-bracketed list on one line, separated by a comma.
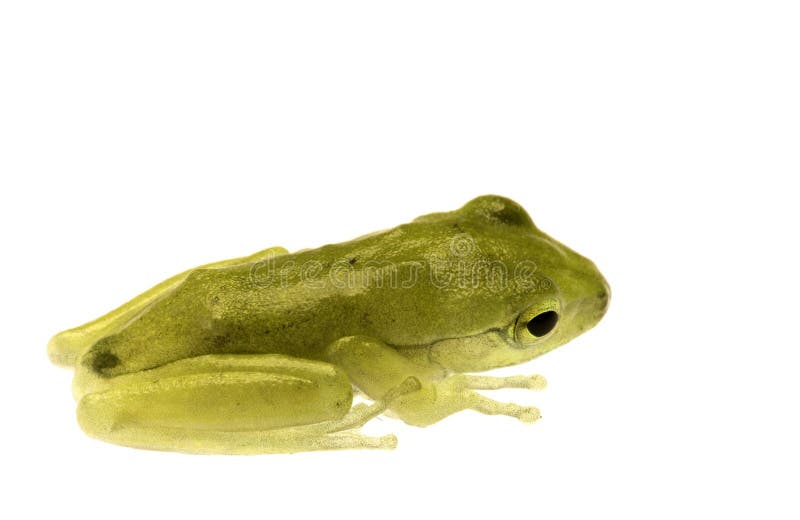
[(262, 354)]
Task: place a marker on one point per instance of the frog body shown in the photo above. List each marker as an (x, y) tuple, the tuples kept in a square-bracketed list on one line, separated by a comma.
[(260, 354)]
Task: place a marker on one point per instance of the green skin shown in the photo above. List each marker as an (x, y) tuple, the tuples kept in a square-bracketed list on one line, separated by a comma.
[(260, 354)]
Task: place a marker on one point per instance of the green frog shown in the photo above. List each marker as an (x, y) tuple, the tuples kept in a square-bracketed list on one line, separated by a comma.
[(263, 353)]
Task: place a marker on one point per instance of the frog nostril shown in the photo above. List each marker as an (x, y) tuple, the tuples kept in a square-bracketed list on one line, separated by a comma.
[(603, 295), (601, 303)]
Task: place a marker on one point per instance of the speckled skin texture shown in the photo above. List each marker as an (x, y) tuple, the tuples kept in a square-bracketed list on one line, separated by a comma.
[(259, 354)]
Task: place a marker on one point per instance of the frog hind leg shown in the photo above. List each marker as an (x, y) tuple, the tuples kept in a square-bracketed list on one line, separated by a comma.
[(64, 348), (232, 404)]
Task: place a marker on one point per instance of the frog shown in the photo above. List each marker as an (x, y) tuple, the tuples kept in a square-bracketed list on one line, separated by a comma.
[(280, 352)]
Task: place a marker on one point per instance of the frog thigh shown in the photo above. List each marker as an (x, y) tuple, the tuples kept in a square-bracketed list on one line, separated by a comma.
[(65, 347), (229, 404)]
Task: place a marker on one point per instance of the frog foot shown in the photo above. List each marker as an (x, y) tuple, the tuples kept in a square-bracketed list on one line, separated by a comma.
[(465, 383)]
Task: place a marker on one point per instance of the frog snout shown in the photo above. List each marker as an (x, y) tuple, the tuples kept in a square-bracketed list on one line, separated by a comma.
[(602, 299), (601, 304)]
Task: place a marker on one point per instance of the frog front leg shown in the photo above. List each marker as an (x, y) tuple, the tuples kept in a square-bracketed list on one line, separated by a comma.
[(231, 404), (376, 369)]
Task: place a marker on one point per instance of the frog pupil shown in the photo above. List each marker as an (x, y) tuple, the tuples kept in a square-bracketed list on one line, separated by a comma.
[(543, 323)]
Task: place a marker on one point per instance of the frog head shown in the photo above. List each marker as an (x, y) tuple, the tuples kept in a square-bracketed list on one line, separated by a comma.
[(552, 294)]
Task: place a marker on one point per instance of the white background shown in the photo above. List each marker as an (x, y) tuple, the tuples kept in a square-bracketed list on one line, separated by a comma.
[(657, 138)]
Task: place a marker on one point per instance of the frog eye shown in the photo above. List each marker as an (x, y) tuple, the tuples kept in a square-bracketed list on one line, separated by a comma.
[(542, 323), (537, 322), (498, 210)]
